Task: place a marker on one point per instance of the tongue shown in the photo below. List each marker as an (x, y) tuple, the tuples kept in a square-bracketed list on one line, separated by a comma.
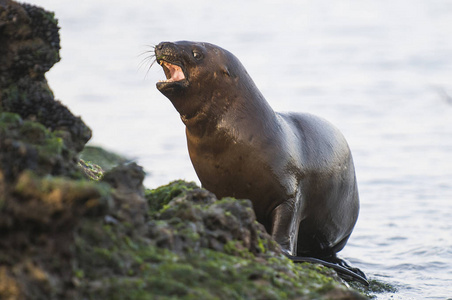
[(176, 72)]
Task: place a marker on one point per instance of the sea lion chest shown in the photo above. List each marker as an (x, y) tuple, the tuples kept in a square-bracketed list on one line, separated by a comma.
[(234, 163)]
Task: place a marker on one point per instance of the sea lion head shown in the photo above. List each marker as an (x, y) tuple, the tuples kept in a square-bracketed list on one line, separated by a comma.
[(196, 74)]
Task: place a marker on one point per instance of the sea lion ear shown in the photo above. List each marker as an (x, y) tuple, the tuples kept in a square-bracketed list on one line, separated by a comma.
[(226, 72)]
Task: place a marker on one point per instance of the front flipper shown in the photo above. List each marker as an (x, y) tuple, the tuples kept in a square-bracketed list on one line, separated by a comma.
[(344, 270), (285, 224)]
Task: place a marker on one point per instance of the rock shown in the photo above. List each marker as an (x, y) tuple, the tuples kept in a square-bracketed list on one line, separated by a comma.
[(228, 225), (90, 170), (43, 196), (107, 160), (128, 193), (29, 145), (194, 247), (30, 47)]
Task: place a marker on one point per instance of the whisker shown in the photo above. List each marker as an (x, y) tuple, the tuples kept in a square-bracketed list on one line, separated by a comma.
[(149, 59), (150, 66), (145, 60), (152, 50), (145, 52)]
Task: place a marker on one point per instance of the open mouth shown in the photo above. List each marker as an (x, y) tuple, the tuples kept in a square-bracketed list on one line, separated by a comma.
[(173, 72)]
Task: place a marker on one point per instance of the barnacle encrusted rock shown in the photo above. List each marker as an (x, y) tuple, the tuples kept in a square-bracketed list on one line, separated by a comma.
[(43, 195), (30, 46)]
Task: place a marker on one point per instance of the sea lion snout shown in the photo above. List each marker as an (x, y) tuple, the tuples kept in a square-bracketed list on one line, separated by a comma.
[(160, 46), (166, 51), (163, 45)]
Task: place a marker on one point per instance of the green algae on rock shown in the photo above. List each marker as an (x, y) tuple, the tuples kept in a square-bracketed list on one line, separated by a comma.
[(106, 160), (28, 145), (159, 197), (42, 193), (42, 198), (90, 170), (194, 247), (375, 287), (55, 200), (194, 212)]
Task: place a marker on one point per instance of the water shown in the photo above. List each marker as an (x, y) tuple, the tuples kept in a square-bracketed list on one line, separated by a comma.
[(380, 70)]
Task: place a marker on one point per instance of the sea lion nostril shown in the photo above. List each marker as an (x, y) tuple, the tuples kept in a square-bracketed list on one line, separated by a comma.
[(161, 45)]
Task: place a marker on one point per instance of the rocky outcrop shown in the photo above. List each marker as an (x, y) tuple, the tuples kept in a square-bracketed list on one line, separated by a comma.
[(42, 192), (66, 236), (30, 46)]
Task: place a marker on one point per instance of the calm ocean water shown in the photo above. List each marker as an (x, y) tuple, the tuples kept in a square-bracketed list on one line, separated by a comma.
[(379, 70)]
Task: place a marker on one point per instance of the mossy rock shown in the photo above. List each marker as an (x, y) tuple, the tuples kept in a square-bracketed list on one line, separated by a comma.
[(193, 247), (105, 159), (29, 145), (375, 288), (159, 197), (115, 265), (92, 171)]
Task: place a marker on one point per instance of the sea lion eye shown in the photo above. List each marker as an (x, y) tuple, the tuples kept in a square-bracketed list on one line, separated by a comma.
[(197, 55)]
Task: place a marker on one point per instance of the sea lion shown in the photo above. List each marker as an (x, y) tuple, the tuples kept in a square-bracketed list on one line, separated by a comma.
[(296, 168)]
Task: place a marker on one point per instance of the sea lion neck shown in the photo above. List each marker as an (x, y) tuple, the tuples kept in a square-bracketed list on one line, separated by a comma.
[(225, 108), (241, 123)]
